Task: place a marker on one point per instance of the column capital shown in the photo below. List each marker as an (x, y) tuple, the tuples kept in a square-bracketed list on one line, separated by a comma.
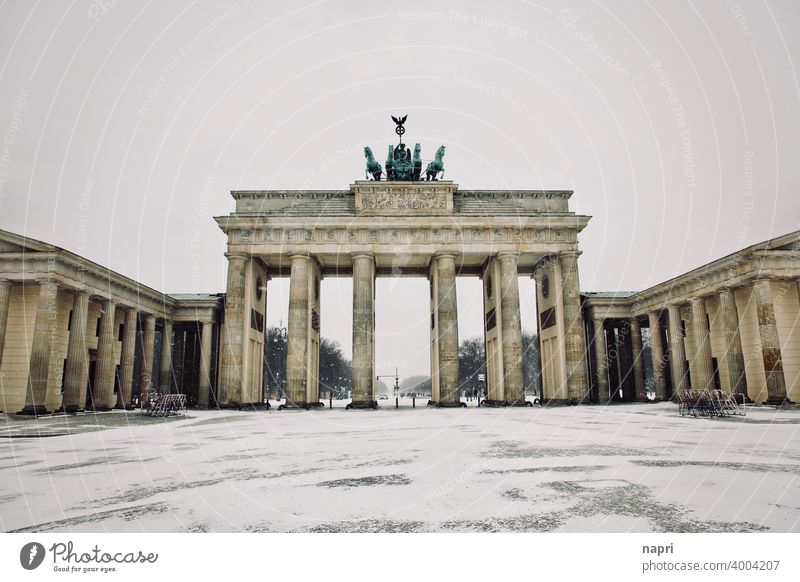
[(508, 254), (679, 308), (306, 256), (444, 254), (5, 282), (236, 256), (362, 255), (571, 254), (128, 310)]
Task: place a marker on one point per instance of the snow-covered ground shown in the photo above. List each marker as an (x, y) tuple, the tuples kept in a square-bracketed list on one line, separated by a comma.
[(638, 467)]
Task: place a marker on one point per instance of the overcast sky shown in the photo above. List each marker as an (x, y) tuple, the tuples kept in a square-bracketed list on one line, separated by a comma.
[(123, 127)]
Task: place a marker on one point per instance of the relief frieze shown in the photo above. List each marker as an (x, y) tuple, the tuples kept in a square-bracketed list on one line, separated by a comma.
[(432, 235)]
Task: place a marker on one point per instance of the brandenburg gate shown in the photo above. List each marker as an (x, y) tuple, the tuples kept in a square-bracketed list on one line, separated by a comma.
[(77, 336), (404, 225)]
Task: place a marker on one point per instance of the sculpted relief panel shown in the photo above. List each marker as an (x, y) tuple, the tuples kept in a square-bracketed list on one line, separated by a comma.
[(401, 203)]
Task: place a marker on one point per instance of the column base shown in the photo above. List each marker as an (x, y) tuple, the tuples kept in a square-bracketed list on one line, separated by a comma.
[(251, 405), (34, 410), (568, 402), (299, 405), (441, 404), (493, 403), (778, 401), (72, 409), (238, 406), (742, 398), (362, 404), (519, 402)]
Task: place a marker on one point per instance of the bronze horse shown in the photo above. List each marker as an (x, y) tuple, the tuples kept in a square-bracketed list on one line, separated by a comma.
[(436, 166), (373, 167)]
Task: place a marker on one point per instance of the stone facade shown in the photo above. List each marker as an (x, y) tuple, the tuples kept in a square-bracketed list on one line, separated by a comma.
[(70, 329), (432, 229), (74, 335), (731, 324)]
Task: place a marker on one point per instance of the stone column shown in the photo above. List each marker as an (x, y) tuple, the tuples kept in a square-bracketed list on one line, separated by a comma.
[(148, 355), (677, 355), (601, 356), (657, 355), (106, 366), (204, 388), (230, 377), (449, 388), (732, 339), (5, 300), (297, 333), (39, 368), (166, 357), (434, 335), (178, 360), (127, 358), (511, 325), (76, 375), (770, 343), (363, 331), (638, 359), (702, 370), (574, 337)]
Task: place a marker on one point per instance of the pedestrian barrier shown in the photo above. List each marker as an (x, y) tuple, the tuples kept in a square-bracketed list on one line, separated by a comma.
[(708, 403), (165, 405)]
